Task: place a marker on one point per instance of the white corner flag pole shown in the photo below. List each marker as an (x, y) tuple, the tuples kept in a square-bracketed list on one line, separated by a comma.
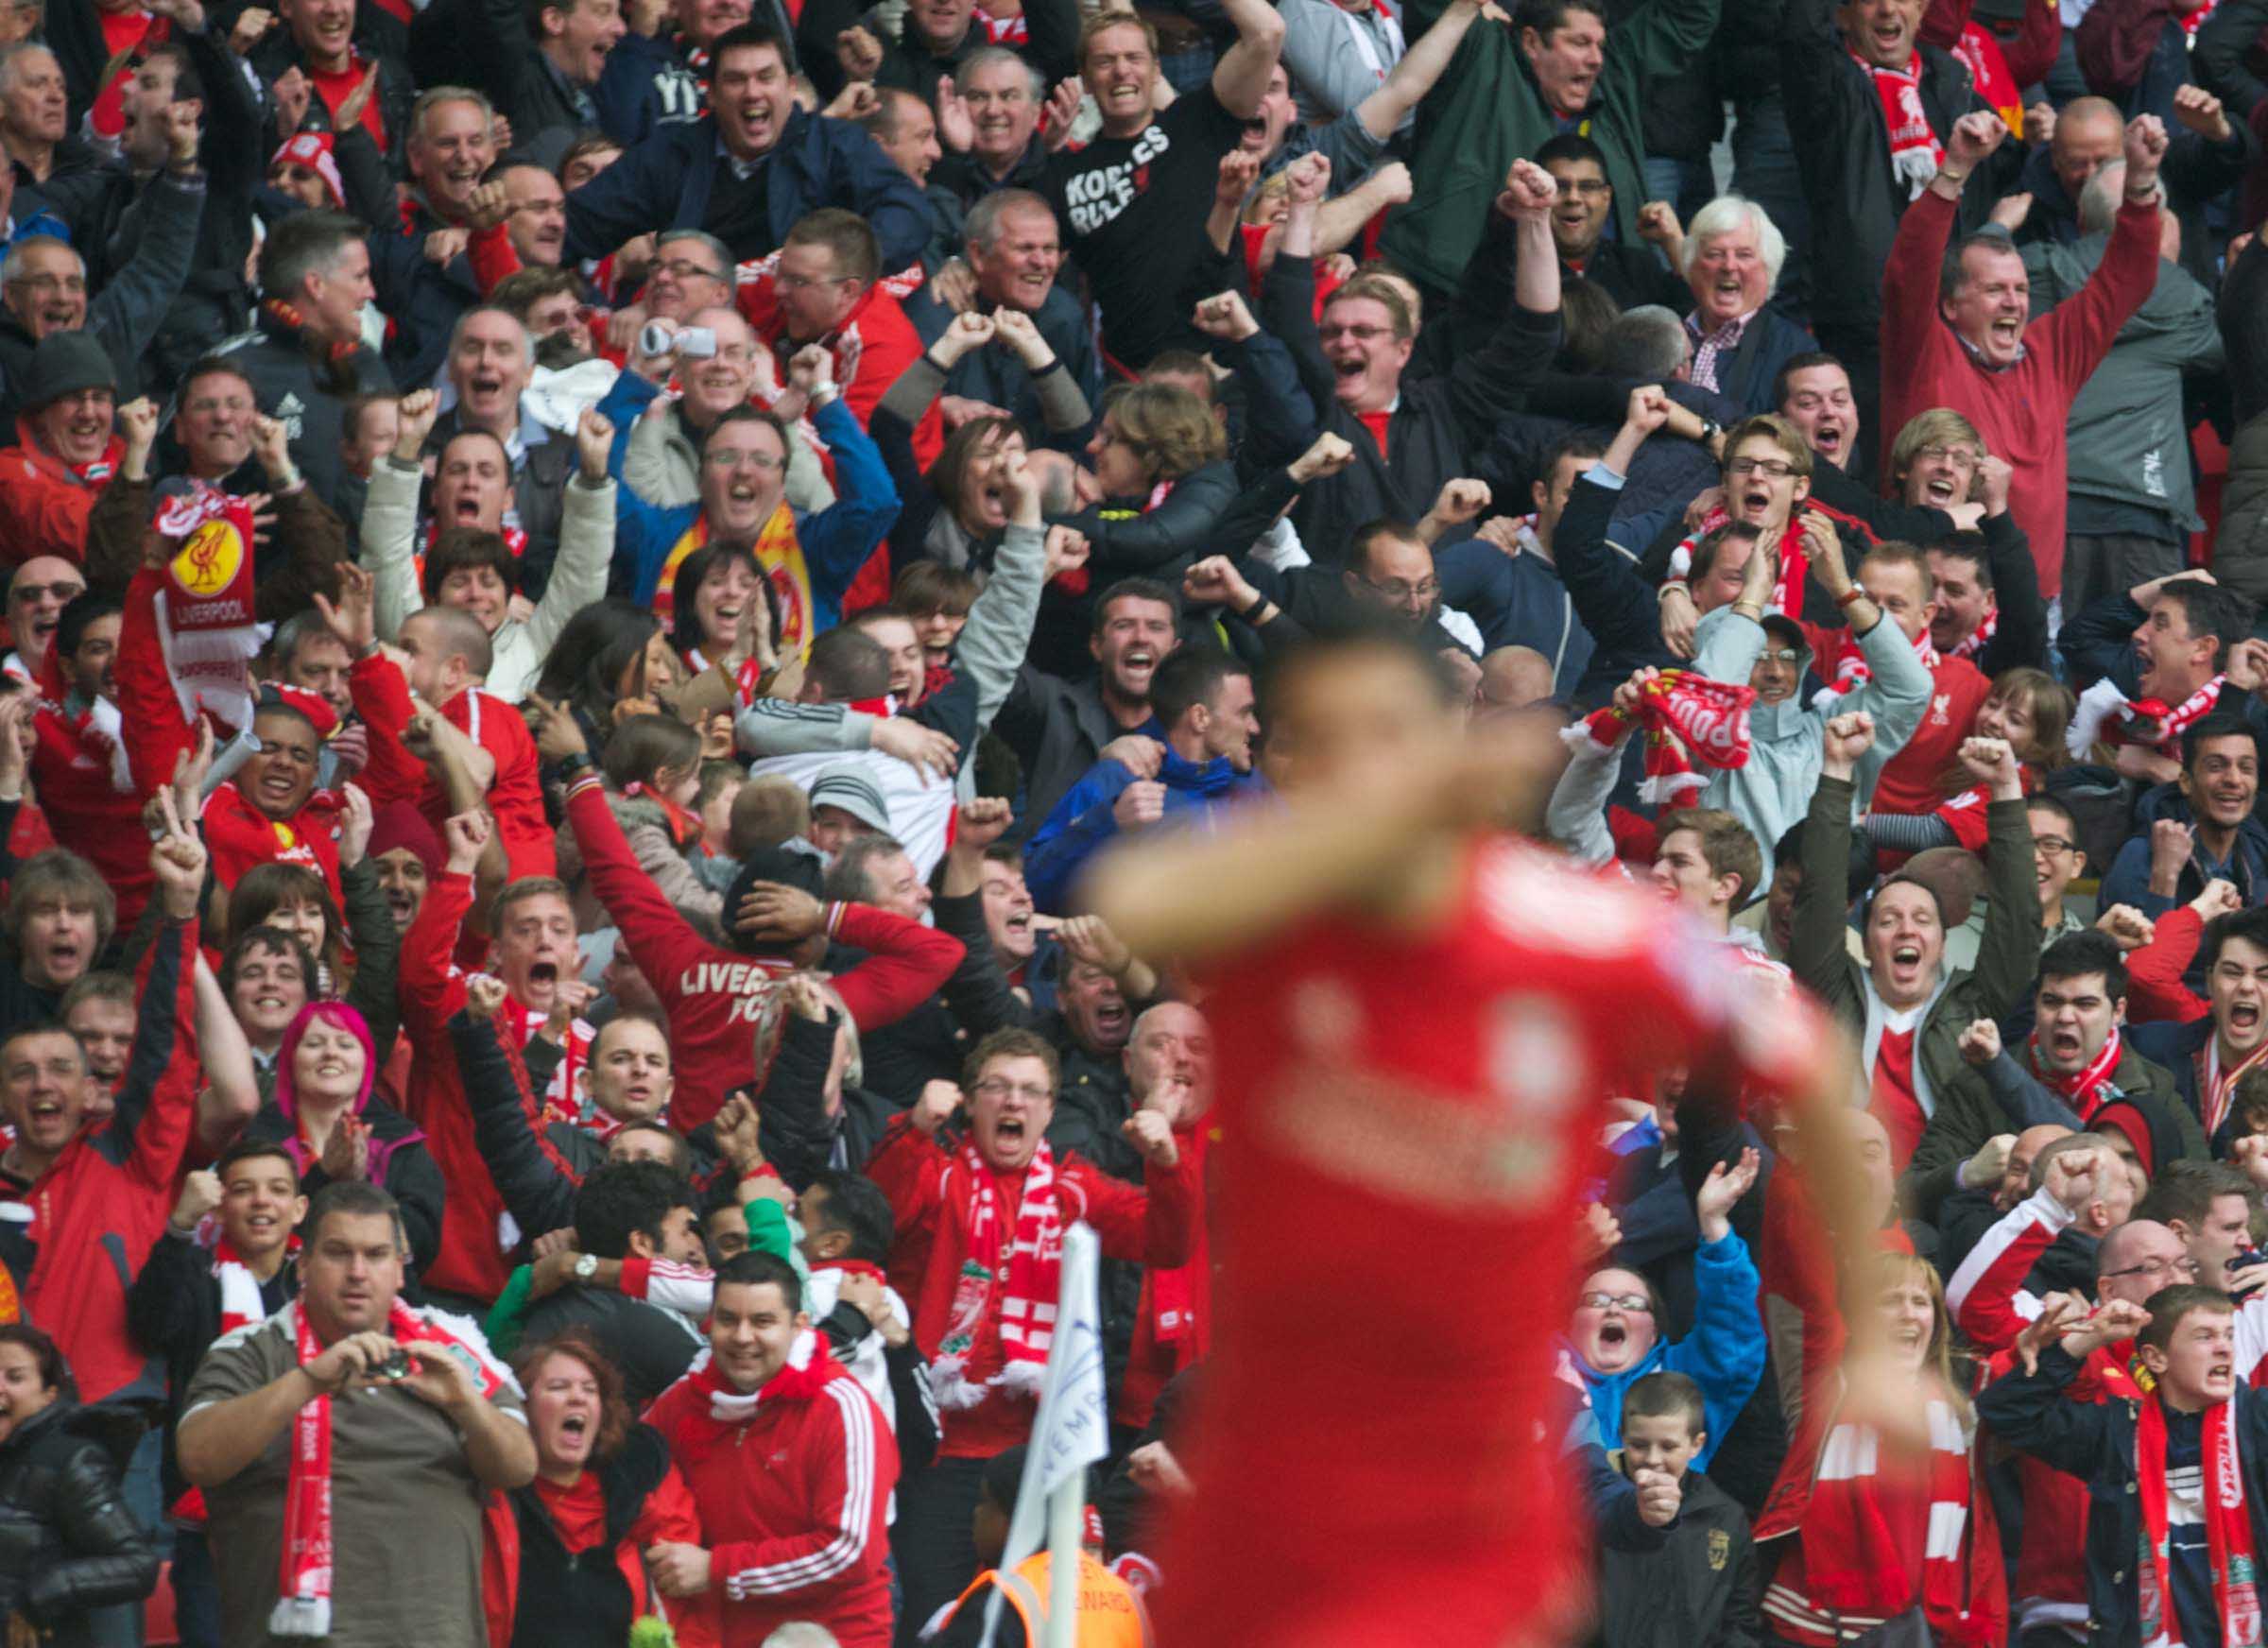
[(1071, 1432)]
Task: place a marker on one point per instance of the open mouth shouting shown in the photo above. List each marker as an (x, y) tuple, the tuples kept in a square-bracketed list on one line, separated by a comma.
[(1755, 503), (1124, 96), (1135, 668), (2241, 1023), (1111, 1020)]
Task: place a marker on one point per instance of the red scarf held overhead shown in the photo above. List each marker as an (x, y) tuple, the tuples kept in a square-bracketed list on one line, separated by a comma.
[(1685, 717), (2107, 715), (1987, 66), (1853, 1557), (207, 627), (1916, 155), (303, 1609), (1028, 1281), (2228, 1529), (804, 1374)]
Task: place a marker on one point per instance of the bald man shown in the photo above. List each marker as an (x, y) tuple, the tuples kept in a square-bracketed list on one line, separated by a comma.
[(2205, 159), (2080, 1194)]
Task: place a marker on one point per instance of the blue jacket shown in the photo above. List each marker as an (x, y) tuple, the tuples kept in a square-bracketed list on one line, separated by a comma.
[(2127, 880), (664, 182), (1723, 1354), (836, 540), (1083, 821)]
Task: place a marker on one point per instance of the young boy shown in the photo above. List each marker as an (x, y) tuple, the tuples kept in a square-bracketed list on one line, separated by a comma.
[(2175, 1479), (1701, 1587)]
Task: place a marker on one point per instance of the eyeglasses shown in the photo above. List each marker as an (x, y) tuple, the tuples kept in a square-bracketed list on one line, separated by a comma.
[(2050, 846), (686, 269), (1779, 469), (2155, 1267), (61, 589), (999, 1087), (1631, 1304), (1959, 455), (1398, 590), (1780, 655), (797, 283), (1592, 186), (1361, 333), (727, 460)]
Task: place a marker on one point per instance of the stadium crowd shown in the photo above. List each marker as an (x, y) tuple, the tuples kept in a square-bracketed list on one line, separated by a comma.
[(681, 673)]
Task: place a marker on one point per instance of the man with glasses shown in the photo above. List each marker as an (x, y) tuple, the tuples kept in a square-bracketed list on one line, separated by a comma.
[(980, 1199), (43, 587)]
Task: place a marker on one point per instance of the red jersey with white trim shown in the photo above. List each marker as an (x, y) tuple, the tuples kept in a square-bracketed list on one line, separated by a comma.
[(1372, 1429)]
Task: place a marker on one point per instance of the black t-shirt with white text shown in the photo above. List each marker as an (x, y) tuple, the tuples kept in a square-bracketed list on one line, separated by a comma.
[(1132, 211)]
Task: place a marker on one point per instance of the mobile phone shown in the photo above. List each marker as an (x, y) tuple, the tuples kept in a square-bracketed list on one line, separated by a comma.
[(2251, 1255)]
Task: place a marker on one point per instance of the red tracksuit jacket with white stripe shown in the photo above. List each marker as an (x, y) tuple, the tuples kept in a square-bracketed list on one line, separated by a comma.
[(795, 1510)]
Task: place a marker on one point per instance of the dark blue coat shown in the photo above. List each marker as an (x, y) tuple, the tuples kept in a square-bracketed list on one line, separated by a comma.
[(664, 182)]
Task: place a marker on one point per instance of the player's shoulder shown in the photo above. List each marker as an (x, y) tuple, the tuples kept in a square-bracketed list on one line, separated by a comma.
[(1540, 900)]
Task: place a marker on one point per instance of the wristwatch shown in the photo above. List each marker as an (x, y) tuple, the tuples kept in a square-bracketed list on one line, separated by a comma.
[(585, 1267)]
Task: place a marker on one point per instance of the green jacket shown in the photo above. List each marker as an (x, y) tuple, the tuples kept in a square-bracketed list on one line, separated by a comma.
[(1953, 1094), (1487, 112)]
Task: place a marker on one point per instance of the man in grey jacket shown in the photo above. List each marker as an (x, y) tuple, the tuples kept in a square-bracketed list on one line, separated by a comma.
[(2133, 498)]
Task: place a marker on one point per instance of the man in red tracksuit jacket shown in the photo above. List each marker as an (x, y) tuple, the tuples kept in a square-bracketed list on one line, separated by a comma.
[(1977, 352), (953, 1226), (717, 1000), (792, 1467), (99, 1195)]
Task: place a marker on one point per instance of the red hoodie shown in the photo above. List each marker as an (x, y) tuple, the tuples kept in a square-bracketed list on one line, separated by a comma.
[(715, 999)]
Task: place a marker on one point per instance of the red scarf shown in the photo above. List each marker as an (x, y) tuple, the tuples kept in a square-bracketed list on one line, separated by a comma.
[(1851, 1554), (2107, 715), (1795, 557), (685, 828), (1976, 640), (2228, 1529), (303, 1609), (1916, 155), (2217, 1088), (205, 610), (1842, 663), (808, 1371), (289, 316), (1029, 1279), (852, 1267), (240, 1307), (1988, 67), (2084, 1089), (1686, 717)]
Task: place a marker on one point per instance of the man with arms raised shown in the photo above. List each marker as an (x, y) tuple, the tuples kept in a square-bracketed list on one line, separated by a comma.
[(349, 1440)]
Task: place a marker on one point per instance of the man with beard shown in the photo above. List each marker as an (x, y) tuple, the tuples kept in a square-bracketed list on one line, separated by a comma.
[(1205, 707), (1617, 1337), (2201, 831), (715, 174), (1060, 728), (407, 853)]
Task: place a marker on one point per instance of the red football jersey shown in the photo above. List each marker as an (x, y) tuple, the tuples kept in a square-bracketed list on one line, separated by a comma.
[(1379, 1431)]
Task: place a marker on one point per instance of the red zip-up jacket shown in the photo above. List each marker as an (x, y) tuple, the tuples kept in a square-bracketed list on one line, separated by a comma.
[(98, 1210), (929, 1191), (715, 998), (795, 1509)]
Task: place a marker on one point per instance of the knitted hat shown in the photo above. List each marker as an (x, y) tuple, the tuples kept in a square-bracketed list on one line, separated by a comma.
[(63, 363), (315, 150), (400, 824)]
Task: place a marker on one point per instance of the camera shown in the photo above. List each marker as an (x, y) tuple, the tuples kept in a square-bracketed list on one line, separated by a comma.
[(394, 1366), (690, 342)]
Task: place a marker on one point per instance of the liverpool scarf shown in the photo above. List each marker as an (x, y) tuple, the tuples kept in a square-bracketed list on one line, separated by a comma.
[(1686, 717), (807, 1372), (1916, 155), (240, 1307), (779, 551), (1795, 558), (1977, 639), (206, 626), (2108, 714), (303, 1609), (1853, 1561), (2084, 1089), (2217, 1086), (1025, 1279), (2228, 1530)]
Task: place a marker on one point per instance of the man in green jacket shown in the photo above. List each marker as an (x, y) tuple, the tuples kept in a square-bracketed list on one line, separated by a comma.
[(1907, 1009), (1508, 91)]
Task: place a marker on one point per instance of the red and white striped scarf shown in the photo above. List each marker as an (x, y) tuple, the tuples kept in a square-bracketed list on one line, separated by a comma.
[(2216, 1086), (2084, 1089), (1851, 1552), (1842, 663), (1977, 639), (1027, 1279), (1795, 557), (304, 1607), (2228, 1529), (2107, 715), (1916, 155), (240, 1307), (801, 1376), (1686, 715)]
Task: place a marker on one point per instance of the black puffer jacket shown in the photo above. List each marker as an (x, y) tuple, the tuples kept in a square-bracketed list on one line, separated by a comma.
[(67, 1541)]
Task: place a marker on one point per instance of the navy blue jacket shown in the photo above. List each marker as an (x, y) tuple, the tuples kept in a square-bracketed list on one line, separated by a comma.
[(1768, 343), (2174, 1048), (664, 182), (2095, 1442)]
